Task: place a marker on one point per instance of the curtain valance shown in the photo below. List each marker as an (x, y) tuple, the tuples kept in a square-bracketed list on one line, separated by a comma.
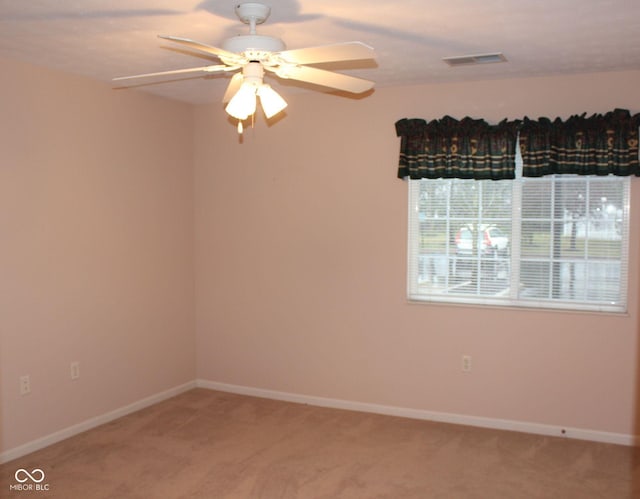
[(469, 148), (449, 148), (599, 145)]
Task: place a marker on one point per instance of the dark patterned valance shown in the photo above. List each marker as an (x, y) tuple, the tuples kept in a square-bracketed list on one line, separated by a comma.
[(599, 145), (448, 148)]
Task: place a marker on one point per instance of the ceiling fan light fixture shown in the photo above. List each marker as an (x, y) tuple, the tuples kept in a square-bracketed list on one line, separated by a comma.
[(271, 101), (255, 53)]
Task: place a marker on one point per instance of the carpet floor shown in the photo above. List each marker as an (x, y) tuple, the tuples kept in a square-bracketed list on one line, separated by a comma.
[(209, 444)]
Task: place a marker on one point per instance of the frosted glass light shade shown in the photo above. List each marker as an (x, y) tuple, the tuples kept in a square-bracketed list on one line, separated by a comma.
[(272, 102), (243, 103)]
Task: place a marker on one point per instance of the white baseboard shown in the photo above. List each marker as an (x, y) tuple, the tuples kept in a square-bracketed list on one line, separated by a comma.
[(70, 431), (442, 417)]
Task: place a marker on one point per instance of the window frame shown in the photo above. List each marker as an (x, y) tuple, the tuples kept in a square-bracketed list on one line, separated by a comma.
[(515, 261)]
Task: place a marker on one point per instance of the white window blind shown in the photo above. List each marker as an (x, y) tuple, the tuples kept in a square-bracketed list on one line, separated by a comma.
[(548, 242)]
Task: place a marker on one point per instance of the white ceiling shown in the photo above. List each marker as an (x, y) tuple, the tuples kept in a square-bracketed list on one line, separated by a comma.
[(103, 39)]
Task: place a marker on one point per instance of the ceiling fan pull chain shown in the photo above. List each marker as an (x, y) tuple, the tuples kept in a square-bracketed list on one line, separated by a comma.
[(240, 127)]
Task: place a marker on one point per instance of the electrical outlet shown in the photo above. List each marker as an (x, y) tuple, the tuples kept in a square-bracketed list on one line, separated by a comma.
[(75, 370), (466, 363), (25, 385)]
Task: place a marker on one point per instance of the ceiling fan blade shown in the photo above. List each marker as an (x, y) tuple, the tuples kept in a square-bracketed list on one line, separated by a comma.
[(218, 52), (233, 87), (348, 51), (205, 69), (325, 78)]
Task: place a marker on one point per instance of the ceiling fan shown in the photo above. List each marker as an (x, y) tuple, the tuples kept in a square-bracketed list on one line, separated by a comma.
[(253, 54)]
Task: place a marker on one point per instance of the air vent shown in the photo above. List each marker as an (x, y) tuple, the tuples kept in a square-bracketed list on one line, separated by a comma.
[(466, 60)]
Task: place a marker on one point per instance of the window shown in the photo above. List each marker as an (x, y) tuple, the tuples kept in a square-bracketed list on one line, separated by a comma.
[(550, 242)]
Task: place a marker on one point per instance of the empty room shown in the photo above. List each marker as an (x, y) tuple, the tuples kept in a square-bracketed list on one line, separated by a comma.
[(333, 249)]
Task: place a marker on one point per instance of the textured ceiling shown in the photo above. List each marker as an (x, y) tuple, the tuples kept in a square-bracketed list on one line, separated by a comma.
[(103, 39)]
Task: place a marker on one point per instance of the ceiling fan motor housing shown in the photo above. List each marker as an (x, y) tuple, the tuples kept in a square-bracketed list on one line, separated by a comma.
[(254, 47)]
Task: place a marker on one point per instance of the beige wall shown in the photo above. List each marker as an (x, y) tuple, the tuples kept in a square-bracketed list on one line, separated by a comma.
[(301, 257), (96, 249)]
